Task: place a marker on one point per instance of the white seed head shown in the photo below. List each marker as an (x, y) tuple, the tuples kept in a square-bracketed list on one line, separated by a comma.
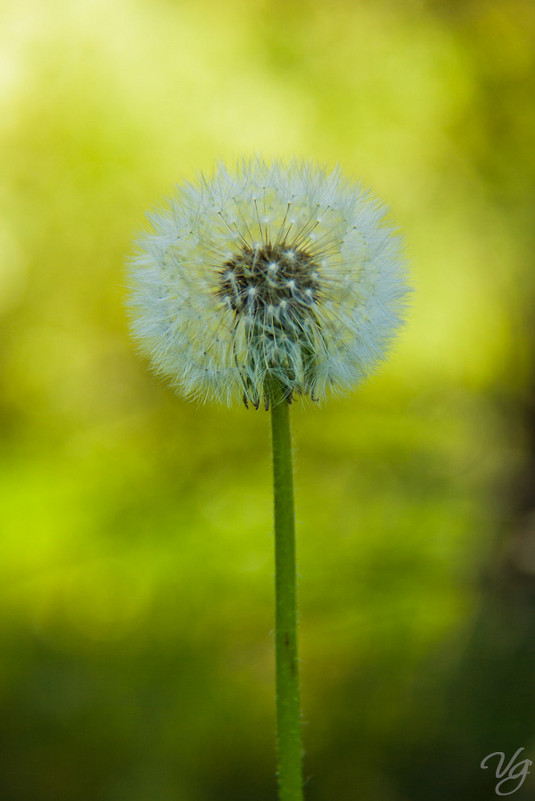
[(227, 290)]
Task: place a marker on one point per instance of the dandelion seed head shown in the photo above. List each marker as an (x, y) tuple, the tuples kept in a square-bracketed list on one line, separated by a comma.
[(269, 270)]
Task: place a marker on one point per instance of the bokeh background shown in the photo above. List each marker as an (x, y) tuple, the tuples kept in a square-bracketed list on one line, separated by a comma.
[(136, 546)]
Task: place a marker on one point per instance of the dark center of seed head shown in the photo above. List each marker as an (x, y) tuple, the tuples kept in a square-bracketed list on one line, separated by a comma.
[(268, 276)]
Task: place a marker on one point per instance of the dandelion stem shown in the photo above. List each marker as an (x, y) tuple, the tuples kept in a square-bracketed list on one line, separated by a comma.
[(289, 747)]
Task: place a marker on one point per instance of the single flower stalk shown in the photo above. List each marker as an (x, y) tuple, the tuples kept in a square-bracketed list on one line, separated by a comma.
[(260, 284)]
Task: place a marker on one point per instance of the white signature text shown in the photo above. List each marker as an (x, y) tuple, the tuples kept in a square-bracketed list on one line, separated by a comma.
[(510, 773)]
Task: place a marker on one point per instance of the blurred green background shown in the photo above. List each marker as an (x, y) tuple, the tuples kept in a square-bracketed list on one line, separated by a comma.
[(136, 546)]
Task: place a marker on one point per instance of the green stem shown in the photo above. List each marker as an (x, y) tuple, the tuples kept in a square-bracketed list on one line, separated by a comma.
[(289, 746)]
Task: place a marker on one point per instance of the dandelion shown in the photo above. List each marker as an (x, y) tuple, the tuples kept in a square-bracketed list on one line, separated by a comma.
[(261, 284), (271, 272)]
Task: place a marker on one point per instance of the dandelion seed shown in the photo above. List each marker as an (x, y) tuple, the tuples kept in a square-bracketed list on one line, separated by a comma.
[(229, 290)]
